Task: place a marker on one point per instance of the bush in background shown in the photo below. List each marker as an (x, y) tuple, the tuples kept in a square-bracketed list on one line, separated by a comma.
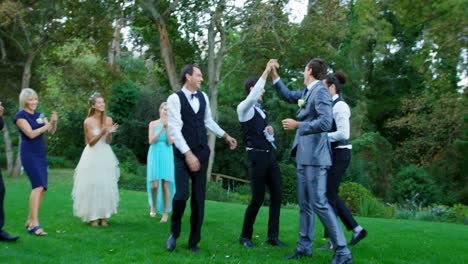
[(289, 183), (371, 163), (360, 201), (412, 182)]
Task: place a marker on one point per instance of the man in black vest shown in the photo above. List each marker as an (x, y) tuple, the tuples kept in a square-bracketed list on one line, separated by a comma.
[(4, 236), (263, 166), (189, 116)]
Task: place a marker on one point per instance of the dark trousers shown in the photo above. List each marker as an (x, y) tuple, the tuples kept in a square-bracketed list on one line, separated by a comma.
[(263, 171), (2, 196), (197, 203), (341, 159)]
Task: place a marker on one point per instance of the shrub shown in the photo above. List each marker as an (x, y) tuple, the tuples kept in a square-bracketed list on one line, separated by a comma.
[(457, 214), (132, 181), (412, 182), (215, 192), (351, 193), (58, 162), (371, 163), (289, 183), (360, 201)]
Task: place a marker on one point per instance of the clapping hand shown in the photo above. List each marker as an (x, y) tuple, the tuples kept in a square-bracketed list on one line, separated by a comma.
[(1, 109), (112, 128), (54, 117)]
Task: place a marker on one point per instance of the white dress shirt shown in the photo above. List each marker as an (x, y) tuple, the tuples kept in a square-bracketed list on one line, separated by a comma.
[(341, 115), (245, 110), (175, 123)]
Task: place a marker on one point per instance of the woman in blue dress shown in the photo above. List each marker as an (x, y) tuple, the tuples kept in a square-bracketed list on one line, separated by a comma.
[(160, 166), (32, 124)]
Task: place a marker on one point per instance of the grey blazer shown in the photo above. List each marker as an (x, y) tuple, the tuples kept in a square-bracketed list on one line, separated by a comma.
[(311, 145)]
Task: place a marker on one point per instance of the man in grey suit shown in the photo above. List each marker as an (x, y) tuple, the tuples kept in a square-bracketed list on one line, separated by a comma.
[(313, 157)]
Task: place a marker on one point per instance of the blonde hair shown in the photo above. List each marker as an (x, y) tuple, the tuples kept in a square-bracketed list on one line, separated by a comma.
[(24, 95), (91, 111)]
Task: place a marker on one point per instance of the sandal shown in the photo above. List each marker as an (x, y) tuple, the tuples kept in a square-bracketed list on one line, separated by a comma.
[(164, 218), (33, 230)]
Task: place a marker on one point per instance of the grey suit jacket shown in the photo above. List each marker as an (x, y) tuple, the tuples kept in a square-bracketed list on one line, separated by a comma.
[(311, 145)]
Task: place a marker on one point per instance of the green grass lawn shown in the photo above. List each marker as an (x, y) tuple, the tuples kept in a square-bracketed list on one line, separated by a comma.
[(134, 237)]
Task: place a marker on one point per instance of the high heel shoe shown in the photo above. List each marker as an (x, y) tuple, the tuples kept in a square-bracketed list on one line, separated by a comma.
[(152, 214)]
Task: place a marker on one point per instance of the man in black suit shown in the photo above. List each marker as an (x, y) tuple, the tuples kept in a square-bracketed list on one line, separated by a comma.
[(4, 236)]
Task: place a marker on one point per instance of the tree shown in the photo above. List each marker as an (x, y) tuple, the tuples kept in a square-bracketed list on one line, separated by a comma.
[(160, 12)]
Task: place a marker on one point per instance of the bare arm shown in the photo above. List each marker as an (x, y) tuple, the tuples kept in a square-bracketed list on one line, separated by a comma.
[(151, 136), (110, 128), (90, 139), (53, 123), (168, 135), (27, 129)]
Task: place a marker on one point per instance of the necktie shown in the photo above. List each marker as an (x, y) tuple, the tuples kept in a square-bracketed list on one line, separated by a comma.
[(306, 90)]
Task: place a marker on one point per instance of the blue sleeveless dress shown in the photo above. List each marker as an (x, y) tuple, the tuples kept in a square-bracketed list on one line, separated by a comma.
[(33, 151), (160, 166)]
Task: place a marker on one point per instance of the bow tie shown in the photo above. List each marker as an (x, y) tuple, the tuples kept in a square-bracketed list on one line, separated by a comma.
[(194, 95)]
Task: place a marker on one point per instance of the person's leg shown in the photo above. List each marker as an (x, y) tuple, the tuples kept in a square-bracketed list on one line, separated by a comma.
[(197, 204), (166, 197), (274, 183), (2, 197), (181, 196), (306, 221), (154, 193), (35, 200), (324, 211), (256, 167)]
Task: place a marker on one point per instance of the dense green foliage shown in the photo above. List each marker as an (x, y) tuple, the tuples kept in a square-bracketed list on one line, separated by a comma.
[(404, 59)]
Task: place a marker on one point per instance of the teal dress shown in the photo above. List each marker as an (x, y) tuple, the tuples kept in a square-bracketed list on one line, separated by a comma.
[(160, 166)]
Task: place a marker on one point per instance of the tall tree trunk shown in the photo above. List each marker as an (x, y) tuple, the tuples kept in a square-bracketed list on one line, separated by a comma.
[(8, 149), (215, 62), (114, 46), (160, 19), (167, 55), (25, 84)]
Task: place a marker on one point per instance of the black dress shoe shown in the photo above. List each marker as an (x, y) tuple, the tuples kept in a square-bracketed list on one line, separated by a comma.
[(171, 243), (246, 242), (299, 254), (4, 236), (194, 249), (358, 237), (275, 242), (342, 259)]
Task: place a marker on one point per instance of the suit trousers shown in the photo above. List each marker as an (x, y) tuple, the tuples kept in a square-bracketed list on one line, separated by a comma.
[(311, 188), (263, 171), (2, 197), (197, 202), (341, 159)]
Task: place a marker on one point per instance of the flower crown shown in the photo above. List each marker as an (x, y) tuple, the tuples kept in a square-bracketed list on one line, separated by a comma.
[(93, 96)]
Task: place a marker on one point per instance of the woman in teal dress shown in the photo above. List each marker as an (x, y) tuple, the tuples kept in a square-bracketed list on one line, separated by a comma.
[(160, 166)]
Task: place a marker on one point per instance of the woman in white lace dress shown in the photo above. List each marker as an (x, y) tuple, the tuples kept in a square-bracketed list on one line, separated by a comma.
[(95, 193)]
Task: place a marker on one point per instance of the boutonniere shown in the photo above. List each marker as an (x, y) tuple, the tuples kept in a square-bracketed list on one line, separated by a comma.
[(40, 120), (301, 102)]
